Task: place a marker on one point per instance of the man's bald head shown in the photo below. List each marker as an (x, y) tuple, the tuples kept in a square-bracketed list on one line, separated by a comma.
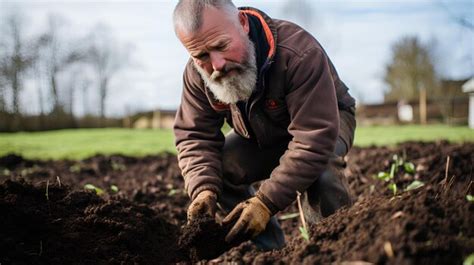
[(187, 15)]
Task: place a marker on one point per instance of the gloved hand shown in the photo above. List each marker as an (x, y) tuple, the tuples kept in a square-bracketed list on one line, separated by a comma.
[(253, 218), (203, 204)]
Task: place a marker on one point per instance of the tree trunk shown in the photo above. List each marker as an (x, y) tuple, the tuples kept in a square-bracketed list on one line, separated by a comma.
[(15, 92), (103, 95), (54, 91), (3, 105), (40, 92)]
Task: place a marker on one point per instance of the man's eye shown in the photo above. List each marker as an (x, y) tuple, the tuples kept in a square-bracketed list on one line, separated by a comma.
[(202, 56), (221, 47)]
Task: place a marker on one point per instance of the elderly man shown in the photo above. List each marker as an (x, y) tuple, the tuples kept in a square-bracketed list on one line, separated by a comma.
[(292, 118)]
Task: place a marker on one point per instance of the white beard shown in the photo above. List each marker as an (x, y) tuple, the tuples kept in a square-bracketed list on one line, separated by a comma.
[(237, 86)]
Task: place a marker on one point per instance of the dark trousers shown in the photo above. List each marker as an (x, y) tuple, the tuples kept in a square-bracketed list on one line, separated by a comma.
[(245, 163)]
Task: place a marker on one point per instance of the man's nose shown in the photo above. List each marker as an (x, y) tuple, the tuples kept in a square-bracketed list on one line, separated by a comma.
[(217, 61)]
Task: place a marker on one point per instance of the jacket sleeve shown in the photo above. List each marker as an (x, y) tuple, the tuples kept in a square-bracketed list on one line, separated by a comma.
[(198, 137), (314, 126)]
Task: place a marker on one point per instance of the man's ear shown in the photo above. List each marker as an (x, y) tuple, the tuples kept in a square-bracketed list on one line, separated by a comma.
[(244, 21)]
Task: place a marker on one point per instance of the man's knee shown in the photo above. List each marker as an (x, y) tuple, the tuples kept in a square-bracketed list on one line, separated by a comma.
[(330, 191)]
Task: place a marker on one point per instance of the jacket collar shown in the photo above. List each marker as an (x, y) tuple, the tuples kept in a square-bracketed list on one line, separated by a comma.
[(262, 33)]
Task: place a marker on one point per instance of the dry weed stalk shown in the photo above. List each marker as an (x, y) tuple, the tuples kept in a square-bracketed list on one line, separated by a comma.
[(445, 181), (300, 209), (468, 188)]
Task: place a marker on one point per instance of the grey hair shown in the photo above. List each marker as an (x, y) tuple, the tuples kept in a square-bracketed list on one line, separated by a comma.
[(187, 14)]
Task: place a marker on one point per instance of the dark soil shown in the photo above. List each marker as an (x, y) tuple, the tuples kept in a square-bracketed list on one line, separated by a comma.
[(46, 216), (204, 239)]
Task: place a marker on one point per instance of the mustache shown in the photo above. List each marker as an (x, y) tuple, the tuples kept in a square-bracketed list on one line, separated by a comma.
[(229, 66)]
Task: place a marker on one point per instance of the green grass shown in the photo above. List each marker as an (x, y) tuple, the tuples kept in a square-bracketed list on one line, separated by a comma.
[(390, 135), (82, 143)]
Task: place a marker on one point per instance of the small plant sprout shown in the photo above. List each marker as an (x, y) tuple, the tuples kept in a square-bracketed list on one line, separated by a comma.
[(303, 229), (173, 192), (76, 168), (47, 190), (384, 176), (393, 187), (97, 190), (409, 167), (6, 172), (470, 198), (114, 188), (304, 233), (469, 260), (118, 166), (397, 164), (58, 180), (414, 185), (393, 170)]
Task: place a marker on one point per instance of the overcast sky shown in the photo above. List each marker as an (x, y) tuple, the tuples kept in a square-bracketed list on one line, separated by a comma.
[(357, 35)]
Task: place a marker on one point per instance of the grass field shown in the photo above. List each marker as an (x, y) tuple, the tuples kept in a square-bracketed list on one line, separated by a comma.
[(82, 143)]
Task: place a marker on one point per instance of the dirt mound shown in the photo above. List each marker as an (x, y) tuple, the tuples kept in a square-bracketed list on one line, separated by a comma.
[(433, 228), (11, 161), (140, 215), (203, 238), (52, 225)]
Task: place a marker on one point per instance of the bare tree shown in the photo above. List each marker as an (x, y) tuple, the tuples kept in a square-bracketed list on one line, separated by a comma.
[(107, 59), (3, 103), (411, 73), (84, 87), (56, 57), (15, 59), (77, 82)]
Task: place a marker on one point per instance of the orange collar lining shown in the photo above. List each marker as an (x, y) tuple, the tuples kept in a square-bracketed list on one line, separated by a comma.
[(266, 28)]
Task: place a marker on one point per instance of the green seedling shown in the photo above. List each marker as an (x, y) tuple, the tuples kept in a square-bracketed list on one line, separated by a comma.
[(384, 176), (393, 187), (288, 216), (389, 176), (114, 188), (304, 233), (469, 260), (29, 171), (6, 172), (97, 190), (173, 192), (393, 170), (470, 198), (76, 168), (118, 166), (409, 167), (414, 185)]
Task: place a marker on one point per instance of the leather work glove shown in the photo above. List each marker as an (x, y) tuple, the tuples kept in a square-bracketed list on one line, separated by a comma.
[(253, 217), (203, 204)]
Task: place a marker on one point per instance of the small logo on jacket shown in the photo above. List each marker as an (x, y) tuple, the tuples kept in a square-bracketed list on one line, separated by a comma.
[(271, 104)]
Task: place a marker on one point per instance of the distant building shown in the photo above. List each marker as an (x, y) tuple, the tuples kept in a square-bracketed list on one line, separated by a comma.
[(158, 119), (451, 108), (468, 87)]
